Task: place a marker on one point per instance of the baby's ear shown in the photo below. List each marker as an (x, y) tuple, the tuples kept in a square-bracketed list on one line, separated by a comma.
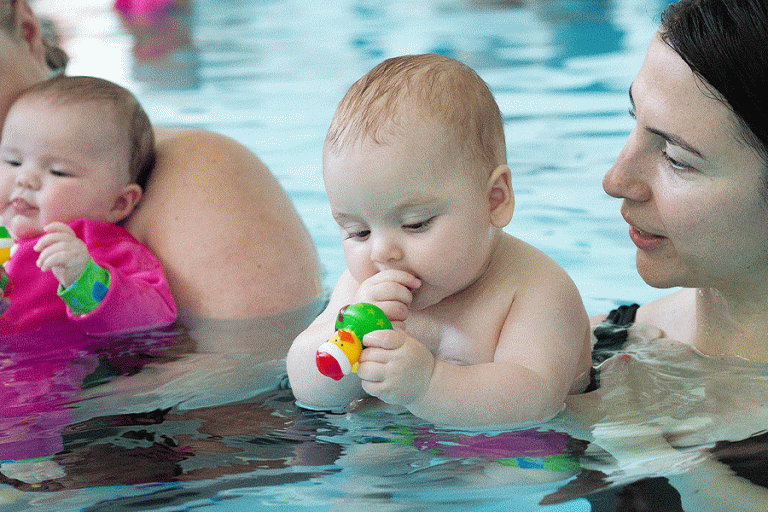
[(501, 198), (125, 202)]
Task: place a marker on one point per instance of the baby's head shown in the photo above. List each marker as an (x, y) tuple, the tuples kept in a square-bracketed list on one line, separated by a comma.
[(72, 147), (98, 97), (415, 171), (400, 91)]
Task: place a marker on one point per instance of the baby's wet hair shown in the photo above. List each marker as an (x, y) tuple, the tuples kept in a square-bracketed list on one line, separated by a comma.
[(447, 90)]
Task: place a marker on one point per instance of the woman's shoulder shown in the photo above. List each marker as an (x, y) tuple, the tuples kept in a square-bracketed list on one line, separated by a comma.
[(179, 146), (211, 208), (673, 313)]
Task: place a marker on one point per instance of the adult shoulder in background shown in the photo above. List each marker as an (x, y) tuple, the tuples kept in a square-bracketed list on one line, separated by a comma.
[(230, 241)]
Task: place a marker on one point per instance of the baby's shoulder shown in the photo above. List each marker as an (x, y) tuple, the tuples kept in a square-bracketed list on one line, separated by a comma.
[(522, 262)]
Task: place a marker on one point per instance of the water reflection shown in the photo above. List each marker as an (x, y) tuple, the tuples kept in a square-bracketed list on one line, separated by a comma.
[(42, 374), (665, 410), (53, 378), (165, 54)]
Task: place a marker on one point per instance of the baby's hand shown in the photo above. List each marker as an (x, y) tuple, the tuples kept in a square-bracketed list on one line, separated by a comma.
[(62, 253), (391, 290), (395, 367)]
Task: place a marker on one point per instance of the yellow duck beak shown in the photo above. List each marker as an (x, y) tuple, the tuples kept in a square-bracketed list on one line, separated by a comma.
[(338, 356)]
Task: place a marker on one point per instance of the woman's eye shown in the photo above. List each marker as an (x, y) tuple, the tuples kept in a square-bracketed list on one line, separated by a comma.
[(419, 226), (675, 164)]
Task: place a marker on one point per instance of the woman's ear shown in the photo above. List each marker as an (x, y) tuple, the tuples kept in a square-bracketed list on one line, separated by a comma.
[(501, 198), (124, 203), (28, 28)]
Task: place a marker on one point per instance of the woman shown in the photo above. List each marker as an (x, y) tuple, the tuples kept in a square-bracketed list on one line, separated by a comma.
[(231, 243), (693, 176)]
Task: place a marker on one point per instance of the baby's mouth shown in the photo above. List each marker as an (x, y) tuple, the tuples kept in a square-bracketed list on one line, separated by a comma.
[(21, 206)]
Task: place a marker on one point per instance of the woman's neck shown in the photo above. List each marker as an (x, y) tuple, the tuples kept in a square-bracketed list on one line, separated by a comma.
[(731, 325)]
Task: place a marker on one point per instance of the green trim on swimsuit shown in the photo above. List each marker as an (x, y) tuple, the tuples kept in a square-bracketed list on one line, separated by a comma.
[(88, 290)]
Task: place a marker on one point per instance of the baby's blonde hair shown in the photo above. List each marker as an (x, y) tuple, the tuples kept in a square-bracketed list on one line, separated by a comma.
[(444, 88)]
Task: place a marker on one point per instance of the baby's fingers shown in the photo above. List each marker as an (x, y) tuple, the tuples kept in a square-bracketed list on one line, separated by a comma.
[(53, 256), (56, 232), (388, 287), (400, 277), (387, 339), (395, 311), (68, 253)]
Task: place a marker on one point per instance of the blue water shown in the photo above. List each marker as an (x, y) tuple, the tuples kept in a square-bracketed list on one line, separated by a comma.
[(166, 426)]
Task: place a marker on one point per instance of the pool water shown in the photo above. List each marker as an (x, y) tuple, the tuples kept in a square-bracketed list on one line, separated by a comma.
[(158, 423)]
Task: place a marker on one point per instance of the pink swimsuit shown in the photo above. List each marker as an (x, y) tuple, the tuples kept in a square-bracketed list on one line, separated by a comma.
[(136, 297)]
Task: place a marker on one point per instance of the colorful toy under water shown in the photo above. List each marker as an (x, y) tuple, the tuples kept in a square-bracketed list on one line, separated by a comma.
[(339, 356)]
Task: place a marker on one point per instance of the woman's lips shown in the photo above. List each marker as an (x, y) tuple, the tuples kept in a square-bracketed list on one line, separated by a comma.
[(645, 241)]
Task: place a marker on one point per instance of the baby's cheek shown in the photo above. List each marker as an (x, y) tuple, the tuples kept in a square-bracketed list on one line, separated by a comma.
[(359, 265)]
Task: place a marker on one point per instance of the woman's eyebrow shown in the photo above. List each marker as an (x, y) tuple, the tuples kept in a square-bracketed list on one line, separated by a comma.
[(672, 139)]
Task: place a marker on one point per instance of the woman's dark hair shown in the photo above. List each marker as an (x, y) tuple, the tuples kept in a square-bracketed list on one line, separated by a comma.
[(725, 42)]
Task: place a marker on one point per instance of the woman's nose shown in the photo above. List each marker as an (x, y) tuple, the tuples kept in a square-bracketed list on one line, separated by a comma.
[(385, 249), (627, 177)]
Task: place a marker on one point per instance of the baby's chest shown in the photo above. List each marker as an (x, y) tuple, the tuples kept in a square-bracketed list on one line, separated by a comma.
[(462, 343)]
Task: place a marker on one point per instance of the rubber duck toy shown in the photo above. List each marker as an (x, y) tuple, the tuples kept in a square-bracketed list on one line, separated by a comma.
[(338, 356), (6, 242)]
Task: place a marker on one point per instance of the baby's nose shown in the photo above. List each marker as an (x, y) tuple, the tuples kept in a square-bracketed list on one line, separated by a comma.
[(386, 250), (28, 179)]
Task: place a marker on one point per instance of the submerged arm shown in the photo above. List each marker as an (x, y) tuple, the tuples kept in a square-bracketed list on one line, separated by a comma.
[(312, 389)]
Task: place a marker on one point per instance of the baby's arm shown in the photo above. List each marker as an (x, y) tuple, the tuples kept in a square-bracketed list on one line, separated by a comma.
[(114, 285), (390, 290), (543, 346)]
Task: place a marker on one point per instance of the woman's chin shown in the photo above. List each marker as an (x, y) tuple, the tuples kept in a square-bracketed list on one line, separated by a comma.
[(656, 276)]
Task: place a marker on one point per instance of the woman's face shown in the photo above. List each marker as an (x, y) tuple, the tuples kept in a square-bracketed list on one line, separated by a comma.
[(692, 189), (21, 62)]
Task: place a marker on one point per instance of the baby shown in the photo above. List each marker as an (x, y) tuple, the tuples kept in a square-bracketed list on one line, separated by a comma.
[(72, 154), (488, 331)]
